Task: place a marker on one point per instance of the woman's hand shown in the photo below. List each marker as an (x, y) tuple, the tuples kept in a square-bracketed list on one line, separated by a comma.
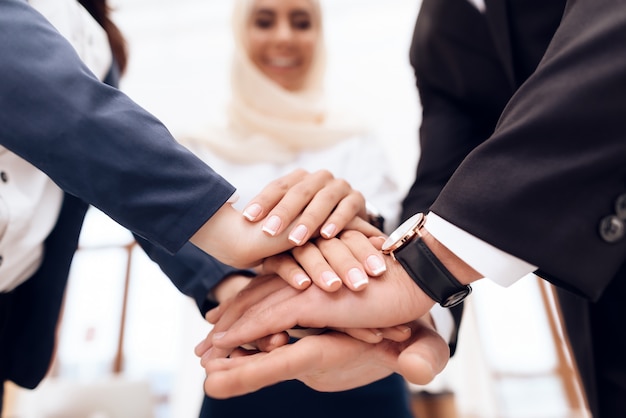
[(306, 203), (328, 263)]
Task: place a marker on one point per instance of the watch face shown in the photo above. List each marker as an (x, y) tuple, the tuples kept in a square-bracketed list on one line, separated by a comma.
[(404, 232)]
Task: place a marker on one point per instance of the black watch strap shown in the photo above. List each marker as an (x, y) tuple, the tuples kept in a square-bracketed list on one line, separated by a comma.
[(430, 275)]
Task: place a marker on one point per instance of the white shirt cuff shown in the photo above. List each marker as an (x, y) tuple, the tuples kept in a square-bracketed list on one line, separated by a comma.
[(491, 262), (444, 322)]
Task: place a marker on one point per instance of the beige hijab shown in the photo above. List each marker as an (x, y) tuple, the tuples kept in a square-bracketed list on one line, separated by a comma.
[(267, 123)]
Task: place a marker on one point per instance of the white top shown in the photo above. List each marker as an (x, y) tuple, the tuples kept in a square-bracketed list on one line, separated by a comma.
[(29, 201), (359, 160)]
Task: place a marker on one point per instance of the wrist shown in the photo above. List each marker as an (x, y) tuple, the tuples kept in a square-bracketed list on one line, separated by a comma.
[(230, 286), (457, 267), (214, 234), (407, 246)]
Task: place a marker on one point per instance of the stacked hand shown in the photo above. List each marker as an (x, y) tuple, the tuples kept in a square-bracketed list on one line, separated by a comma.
[(293, 209), (331, 361), (361, 340)]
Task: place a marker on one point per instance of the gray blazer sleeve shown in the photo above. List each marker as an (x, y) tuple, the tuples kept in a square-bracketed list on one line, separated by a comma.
[(95, 142)]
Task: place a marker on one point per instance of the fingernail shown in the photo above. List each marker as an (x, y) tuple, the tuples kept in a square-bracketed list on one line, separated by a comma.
[(275, 340), (376, 264), (328, 230), (330, 278), (357, 278), (271, 225), (252, 212), (301, 279), (218, 335), (403, 328), (206, 355), (297, 234), (200, 346)]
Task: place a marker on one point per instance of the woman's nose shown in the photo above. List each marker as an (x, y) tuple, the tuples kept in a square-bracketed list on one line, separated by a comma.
[(283, 33)]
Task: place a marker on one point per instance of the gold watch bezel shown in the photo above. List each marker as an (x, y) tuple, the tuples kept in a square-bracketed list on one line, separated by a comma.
[(405, 233)]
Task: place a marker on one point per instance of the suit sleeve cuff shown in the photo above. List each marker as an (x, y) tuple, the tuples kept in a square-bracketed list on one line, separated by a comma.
[(491, 262)]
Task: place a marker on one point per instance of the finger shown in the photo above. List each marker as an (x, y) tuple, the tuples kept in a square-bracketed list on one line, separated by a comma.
[(267, 343), (271, 316), (362, 252), (272, 342), (314, 263), (288, 269), (377, 242), (298, 202), (232, 309), (271, 194), (204, 346), (368, 335), (361, 225), (425, 358), (241, 375), (213, 315), (243, 352), (338, 257), (351, 205), (398, 333)]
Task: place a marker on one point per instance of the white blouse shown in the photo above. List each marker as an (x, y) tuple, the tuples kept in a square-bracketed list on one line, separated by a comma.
[(359, 160)]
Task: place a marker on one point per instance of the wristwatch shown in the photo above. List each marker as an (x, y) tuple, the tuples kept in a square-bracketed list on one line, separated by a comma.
[(405, 245)]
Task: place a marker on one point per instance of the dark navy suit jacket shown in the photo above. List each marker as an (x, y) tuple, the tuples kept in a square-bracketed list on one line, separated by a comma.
[(101, 149), (523, 144)]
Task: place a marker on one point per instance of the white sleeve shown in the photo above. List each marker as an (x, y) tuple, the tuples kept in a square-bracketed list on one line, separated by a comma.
[(76, 25), (491, 262), (444, 322)]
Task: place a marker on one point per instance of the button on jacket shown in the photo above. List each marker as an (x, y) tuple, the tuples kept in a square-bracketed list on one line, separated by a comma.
[(100, 148), (523, 145)]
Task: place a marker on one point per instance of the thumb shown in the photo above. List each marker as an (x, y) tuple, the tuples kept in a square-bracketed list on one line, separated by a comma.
[(424, 358)]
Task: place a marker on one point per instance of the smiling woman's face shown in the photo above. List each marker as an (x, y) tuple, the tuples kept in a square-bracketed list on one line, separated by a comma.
[(281, 38)]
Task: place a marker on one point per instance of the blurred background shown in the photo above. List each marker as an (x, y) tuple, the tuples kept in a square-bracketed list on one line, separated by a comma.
[(127, 335)]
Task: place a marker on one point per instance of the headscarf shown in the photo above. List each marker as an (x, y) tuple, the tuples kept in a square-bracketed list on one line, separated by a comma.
[(266, 122)]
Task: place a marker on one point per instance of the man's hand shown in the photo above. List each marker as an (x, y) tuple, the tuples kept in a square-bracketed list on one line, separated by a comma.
[(269, 306), (329, 362)]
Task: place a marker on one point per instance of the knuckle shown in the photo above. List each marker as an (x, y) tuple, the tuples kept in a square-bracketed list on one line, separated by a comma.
[(300, 172), (301, 250), (324, 174), (281, 184), (281, 210), (309, 218), (325, 245), (350, 235)]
